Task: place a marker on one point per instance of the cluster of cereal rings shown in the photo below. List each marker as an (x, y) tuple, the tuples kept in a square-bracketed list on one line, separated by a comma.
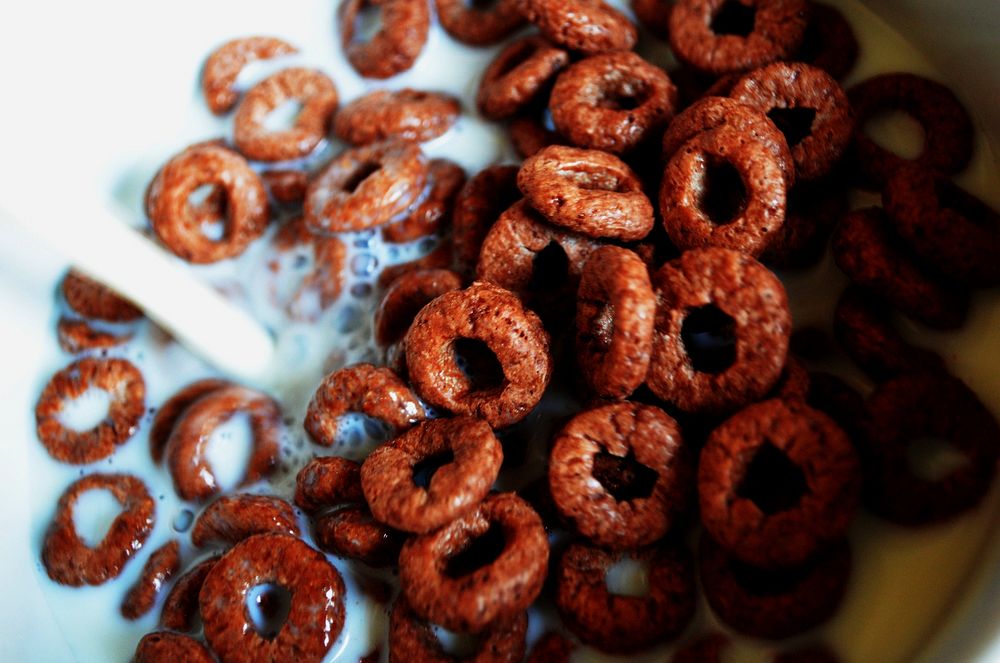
[(652, 311)]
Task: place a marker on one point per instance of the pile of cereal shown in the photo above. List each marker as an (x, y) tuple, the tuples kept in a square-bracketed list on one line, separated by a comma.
[(623, 270)]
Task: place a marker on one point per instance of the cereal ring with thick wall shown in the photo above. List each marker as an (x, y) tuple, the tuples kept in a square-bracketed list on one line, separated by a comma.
[(180, 610), (159, 568), (444, 180), (518, 75), (722, 188), (587, 191), (777, 483), (297, 574), (404, 299), (120, 380), (243, 212), (443, 576), (477, 207), (187, 448), (721, 334), (232, 518), (373, 391), (69, 560), (223, 67), (481, 24), (172, 410), (619, 623), (317, 98), (467, 457), (407, 114), (165, 647), (587, 26), (482, 319), (95, 300), (615, 313), (328, 481), (808, 106), (718, 37), (612, 102), (353, 532), (395, 47), (366, 186), (620, 475)]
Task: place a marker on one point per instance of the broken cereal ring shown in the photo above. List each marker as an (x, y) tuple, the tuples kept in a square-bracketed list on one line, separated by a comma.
[(328, 481), (160, 567), (353, 532), (78, 336)]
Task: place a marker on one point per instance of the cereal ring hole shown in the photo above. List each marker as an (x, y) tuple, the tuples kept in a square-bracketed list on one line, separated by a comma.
[(795, 123), (624, 94), (86, 411), (360, 174), (709, 338), (94, 512), (478, 552), (723, 193), (456, 646), (479, 364), (367, 22), (284, 116), (549, 268), (934, 459), (589, 179), (768, 582), (229, 449), (623, 477), (772, 481), (734, 18), (897, 131), (423, 471), (628, 577), (268, 606)]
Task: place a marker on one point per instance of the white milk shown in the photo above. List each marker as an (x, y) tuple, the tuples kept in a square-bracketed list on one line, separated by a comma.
[(903, 582)]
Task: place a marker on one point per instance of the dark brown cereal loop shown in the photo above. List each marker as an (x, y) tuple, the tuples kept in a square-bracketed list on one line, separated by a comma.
[(160, 567), (778, 482), (587, 26), (926, 406), (723, 189), (948, 130), (829, 42), (232, 518), (223, 67), (619, 474), (396, 45), (126, 390), (186, 450), (587, 191), (611, 102), (441, 587), (77, 336), (173, 408), (376, 392), (872, 255), (180, 610), (778, 603), (812, 210), (404, 298), (471, 456), (407, 114), (322, 284), (722, 328), (318, 98), (794, 381), (315, 594), (479, 24), (615, 313), (328, 481), (808, 106), (353, 532), (412, 639), (366, 186), (286, 186), (514, 335), (719, 36), (477, 206), (618, 623), (179, 225), (445, 179), (653, 15), (70, 561), (94, 300), (949, 227), (551, 647), (518, 75), (169, 648)]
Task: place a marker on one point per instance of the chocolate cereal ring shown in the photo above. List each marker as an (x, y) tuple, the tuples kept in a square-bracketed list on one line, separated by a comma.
[(169, 648), (495, 317), (321, 285), (171, 410), (315, 594), (310, 88), (180, 610), (829, 42), (618, 473), (373, 391), (186, 448), (353, 532), (721, 334), (366, 186), (328, 481), (518, 75), (477, 206), (94, 300), (611, 102), (223, 67), (723, 189), (395, 47), (812, 210), (244, 212), (872, 255), (948, 130), (126, 390), (808, 106), (922, 406), (70, 561), (778, 482), (439, 585), (479, 24), (472, 456), (587, 191), (653, 15), (407, 114), (78, 336), (587, 26), (532, 131), (719, 37), (619, 623), (159, 568), (444, 179), (402, 301), (615, 312), (551, 647), (232, 518), (286, 186)]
